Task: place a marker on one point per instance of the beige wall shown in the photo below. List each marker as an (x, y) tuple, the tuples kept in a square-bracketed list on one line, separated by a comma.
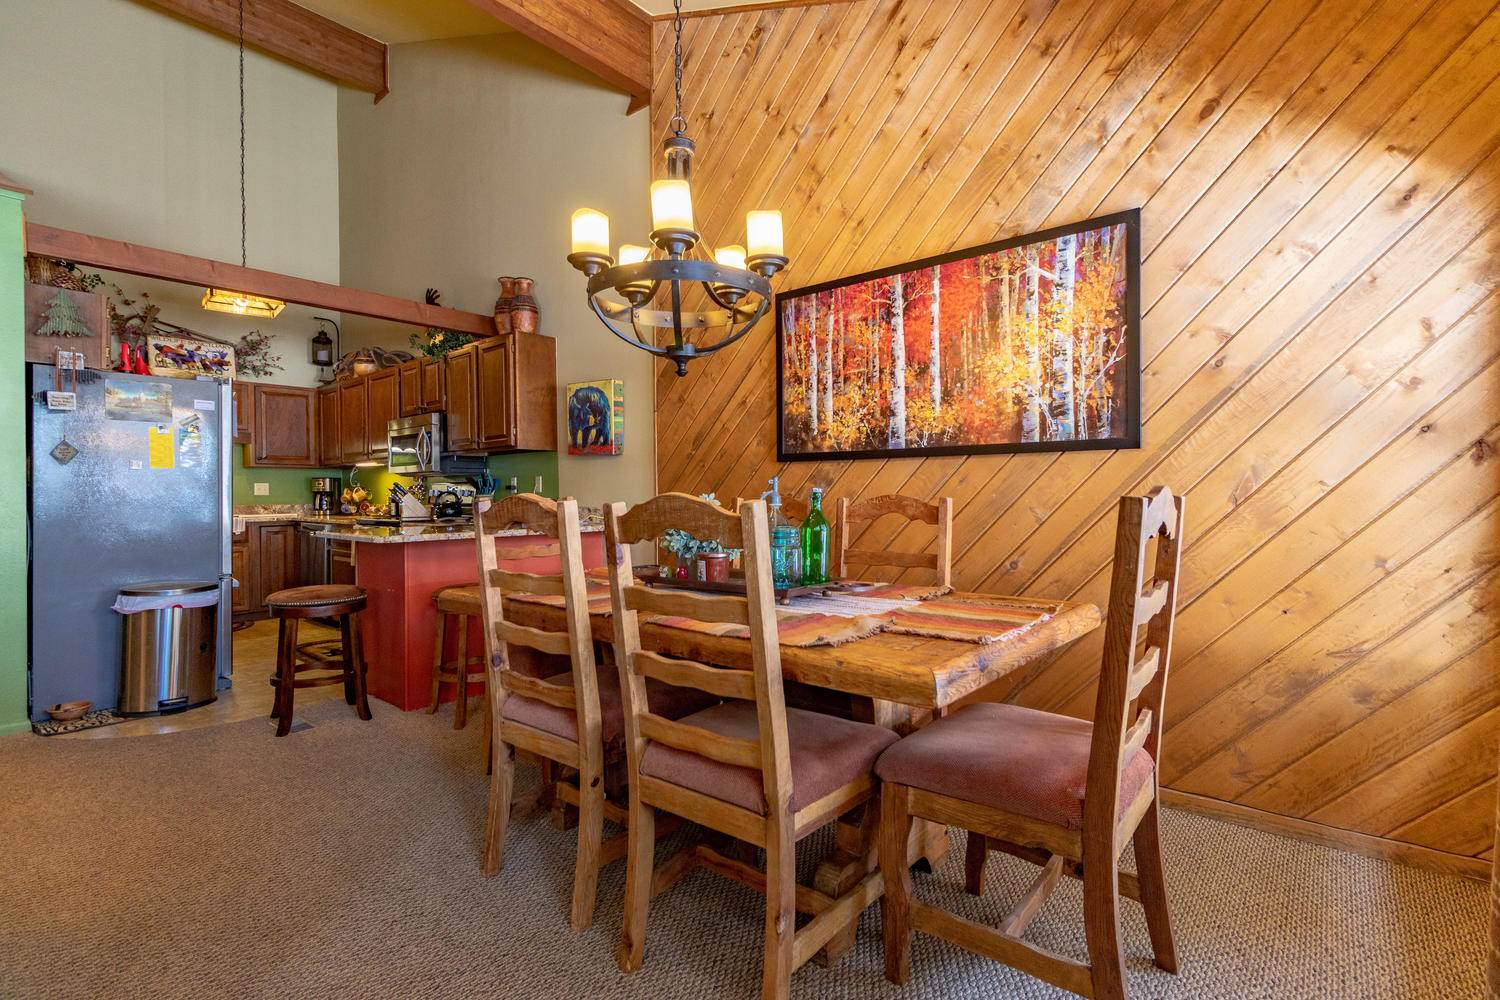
[(124, 121), (470, 170)]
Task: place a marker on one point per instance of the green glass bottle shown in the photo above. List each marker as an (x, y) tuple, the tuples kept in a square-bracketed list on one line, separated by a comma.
[(815, 542)]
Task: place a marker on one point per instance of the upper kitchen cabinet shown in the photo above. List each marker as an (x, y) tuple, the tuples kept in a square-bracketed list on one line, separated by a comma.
[(382, 405), (330, 446), (244, 405), (354, 415), (283, 426), (500, 394), (421, 382)]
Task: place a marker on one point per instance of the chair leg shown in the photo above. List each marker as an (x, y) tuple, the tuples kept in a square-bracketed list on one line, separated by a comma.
[(640, 864), (895, 905), (276, 677), (1101, 923), (437, 661), (975, 856), (1153, 882), (781, 910), (590, 836), (354, 658), (489, 725), (502, 779), (461, 685), (286, 667)]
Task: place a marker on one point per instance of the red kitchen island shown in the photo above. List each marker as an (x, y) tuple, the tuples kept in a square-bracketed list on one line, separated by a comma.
[(400, 569)]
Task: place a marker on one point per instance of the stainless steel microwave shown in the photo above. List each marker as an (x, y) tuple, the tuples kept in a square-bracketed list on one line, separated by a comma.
[(416, 448)]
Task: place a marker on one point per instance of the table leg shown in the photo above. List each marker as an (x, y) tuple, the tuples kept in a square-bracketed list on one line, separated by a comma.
[(854, 856)]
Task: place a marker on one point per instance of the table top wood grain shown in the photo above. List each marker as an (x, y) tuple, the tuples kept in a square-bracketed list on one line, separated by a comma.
[(906, 669)]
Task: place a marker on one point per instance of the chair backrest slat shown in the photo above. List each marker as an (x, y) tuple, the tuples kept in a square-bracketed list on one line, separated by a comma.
[(534, 687), (720, 681), (746, 529), (512, 582), (686, 604), (714, 746), (1133, 675), (558, 521), (852, 512)]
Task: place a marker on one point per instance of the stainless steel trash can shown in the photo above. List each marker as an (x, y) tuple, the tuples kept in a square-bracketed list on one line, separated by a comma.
[(169, 651)]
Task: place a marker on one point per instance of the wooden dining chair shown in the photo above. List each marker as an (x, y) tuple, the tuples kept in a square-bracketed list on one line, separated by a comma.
[(572, 720), (749, 768), (1059, 792), (852, 512)]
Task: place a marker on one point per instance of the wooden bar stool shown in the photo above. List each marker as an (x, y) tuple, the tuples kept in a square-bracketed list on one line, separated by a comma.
[(342, 665), (463, 603)]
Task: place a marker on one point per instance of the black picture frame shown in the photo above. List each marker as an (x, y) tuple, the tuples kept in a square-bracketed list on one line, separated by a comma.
[(1131, 218)]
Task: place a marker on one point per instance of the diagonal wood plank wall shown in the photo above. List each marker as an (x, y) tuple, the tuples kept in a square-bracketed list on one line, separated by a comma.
[(1320, 185)]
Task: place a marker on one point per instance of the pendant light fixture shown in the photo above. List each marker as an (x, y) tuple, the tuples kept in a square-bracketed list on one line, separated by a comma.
[(736, 279), (222, 299)]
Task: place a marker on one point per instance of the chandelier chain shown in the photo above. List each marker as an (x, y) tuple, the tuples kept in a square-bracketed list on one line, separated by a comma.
[(679, 123), (242, 133)]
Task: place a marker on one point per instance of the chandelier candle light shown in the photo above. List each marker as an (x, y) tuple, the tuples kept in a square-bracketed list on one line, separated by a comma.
[(736, 279)]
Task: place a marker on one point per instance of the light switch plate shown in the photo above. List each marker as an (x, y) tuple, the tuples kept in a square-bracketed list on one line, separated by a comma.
[(262, 489)]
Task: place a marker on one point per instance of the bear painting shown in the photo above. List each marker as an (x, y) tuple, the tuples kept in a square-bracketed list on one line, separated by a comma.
[(596, 417)]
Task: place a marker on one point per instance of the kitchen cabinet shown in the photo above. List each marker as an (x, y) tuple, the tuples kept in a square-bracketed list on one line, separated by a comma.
[(265, 559), (382, 405), (462, 426), (354, 415), (495, 378), (501, 394), (244, 397), (432, 385), (330, 448), (409, 378), (284, 426), (239, 568)]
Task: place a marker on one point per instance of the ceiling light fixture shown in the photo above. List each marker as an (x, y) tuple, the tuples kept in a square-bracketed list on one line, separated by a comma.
[(222, 299), (736, 279)]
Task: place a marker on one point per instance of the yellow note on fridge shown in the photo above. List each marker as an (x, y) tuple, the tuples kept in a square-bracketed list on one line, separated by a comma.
[(163, 450)]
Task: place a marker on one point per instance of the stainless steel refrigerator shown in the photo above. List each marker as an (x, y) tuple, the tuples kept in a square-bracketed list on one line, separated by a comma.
[(130, 486)]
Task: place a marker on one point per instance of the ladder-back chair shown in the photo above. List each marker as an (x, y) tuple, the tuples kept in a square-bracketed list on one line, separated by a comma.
[(939, 514), (1064, 794), (750, 768)]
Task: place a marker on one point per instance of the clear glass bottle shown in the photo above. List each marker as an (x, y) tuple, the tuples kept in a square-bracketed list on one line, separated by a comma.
[(786, 541), (538, 488), (511, 487), (815, 541)]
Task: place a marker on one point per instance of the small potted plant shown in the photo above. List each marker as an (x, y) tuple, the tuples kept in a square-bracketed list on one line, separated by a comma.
[(686, 548)]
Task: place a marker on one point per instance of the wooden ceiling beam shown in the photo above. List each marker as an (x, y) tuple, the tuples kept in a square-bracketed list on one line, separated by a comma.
[(149, 262), (609, 38), (294, 33)]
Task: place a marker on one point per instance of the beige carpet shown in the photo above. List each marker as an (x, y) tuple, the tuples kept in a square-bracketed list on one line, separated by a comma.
[(342, 861)]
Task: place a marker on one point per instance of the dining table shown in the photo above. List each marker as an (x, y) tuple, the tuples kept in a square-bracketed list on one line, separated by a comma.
[(892, 679)]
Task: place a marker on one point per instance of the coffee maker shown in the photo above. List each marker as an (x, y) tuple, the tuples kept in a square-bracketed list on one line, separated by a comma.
[(325, 491)]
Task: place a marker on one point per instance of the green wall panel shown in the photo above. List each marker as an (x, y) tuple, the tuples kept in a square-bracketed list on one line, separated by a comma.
[(13, 717)]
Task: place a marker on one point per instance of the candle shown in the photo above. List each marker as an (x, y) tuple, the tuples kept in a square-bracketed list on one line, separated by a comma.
[(731, 256), (763, 233), (671, 205), (632, 254), (591, 232)]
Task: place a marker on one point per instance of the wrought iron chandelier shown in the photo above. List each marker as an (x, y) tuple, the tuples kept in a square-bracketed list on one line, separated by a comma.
[(736, 280)]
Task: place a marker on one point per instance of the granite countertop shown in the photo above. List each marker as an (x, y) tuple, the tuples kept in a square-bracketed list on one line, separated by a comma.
[(253, 516), (418, 533)]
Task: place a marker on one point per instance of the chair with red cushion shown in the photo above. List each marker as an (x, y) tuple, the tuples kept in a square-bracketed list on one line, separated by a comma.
[(571, 720), (1065, 794), (750, 768)]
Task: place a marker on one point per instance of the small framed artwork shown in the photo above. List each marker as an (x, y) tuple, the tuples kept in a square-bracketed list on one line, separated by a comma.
[(596, 417), (187, 357), (1031, 344), (66, 319)]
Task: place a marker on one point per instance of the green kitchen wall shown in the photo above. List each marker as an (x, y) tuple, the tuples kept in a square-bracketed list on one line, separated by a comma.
[(286, 485), (13, 716)]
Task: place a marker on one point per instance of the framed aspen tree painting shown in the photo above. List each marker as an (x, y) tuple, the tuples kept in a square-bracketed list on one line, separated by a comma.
[(1028, 344)]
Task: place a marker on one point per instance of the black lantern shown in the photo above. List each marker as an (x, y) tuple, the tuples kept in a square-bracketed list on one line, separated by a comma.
[(322, 344)]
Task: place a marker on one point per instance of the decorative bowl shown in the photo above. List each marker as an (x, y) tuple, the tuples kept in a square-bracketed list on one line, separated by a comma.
[(70, 710)]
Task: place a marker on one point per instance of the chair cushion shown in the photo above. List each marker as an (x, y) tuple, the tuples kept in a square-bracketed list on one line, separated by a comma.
[(314, 596), (826, 753), (1017, 759), (666, 700)]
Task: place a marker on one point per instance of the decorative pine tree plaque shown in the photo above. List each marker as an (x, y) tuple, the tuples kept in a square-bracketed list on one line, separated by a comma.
[(67, 319)]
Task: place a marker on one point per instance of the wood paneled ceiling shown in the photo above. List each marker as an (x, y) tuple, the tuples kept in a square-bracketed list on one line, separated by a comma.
[(1320, 185)]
